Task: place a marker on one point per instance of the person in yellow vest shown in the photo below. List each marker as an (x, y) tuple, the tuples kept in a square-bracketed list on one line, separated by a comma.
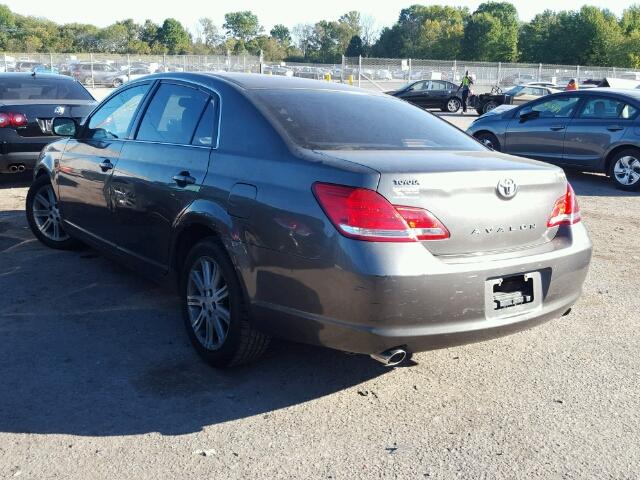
[(465, 85)]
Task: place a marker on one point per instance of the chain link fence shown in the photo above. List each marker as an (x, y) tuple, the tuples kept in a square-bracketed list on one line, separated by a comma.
[(382, 74)]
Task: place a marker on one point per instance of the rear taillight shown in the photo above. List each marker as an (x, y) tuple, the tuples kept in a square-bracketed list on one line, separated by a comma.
[(364, 214), (12, 120), (566, 210)]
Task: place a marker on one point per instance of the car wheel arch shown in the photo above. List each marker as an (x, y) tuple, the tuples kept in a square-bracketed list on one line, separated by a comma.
[(608, 158), (477, 134)]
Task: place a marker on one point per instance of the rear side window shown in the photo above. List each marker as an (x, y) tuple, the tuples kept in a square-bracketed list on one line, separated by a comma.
[(172, 115), (607, 108), (204, 133), (345, 120), (41, 88), (113, 118)]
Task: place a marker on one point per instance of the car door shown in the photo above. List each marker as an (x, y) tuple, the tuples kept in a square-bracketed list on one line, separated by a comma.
[(601, 122), (87, 164), (160, 172), (416, 93), (537, 129), (438, 94)]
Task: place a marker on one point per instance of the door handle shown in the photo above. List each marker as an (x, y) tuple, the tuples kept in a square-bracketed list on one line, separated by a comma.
[(106, 165), (614, 128), (184, 178), (555, 128)]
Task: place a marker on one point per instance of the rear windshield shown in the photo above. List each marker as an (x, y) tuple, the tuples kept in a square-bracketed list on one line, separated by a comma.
[(31, 88), (342, 120)]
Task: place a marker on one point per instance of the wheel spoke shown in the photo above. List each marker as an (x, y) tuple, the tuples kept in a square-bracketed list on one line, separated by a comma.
[(42, 201), (195, 301), (208, 342), (206, 273), (197, 322), (45, 226), (56, 230), (223, 314), (221, 294), (51, 196), (217, 324), (40, 213), (197, 281)]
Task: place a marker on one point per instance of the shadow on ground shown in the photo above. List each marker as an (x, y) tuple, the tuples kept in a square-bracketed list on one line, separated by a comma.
[(595, 185), (89, 348)]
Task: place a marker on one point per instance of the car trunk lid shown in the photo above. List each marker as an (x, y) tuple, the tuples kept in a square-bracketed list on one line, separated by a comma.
[(40, 113), (461, 190)]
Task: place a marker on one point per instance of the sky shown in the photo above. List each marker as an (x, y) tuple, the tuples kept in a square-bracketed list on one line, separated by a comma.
[(269, 12)]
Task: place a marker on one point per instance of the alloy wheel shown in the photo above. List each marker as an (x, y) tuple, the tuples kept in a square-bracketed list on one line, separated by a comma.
[(47, 216), (627, 170), (208, 303), (453, 105)]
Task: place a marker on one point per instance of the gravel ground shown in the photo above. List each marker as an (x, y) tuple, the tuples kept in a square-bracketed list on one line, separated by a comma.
[(98, 380)]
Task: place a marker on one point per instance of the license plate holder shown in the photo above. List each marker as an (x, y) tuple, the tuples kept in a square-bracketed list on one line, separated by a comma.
[(513, 294)]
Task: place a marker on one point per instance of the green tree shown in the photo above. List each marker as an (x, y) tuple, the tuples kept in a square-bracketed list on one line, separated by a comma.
[(174, 37), (355, 47), (210, 34), (281, 34), (242, 25), (491, 34)]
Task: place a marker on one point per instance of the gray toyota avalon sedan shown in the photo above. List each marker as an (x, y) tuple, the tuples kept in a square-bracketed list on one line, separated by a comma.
[(314, 212)]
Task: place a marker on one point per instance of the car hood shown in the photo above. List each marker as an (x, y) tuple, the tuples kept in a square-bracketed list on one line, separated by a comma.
[(499, 110)]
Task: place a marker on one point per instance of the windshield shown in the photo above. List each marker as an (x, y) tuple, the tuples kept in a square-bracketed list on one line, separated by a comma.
[(343, 120), (34, 88)]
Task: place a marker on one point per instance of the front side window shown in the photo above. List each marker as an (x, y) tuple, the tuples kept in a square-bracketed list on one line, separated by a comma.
[(172, 115), (418, 87), (607, 108), (438, 86), (113, 119), (557, 107)]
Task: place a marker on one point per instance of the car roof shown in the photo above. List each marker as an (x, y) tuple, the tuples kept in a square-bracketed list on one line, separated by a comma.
[(254, 81), (47, 76), (634, 94)]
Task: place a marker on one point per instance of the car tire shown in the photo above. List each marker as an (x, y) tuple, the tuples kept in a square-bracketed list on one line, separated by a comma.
[(490, 105), (215, 309), (44, 217), (88, 82), (453, 105), (488, 139), (624, 169), (117, 83), (479, 111)]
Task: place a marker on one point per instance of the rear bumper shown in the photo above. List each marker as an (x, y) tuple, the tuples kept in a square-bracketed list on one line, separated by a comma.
[(28, 159), (421, 303)]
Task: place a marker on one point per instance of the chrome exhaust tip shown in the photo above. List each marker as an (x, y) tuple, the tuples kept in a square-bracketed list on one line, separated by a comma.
[(391, 357), (21, 168), (13, 168)]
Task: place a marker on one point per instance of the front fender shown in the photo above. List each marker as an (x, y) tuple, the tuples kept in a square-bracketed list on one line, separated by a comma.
[(49, 159)]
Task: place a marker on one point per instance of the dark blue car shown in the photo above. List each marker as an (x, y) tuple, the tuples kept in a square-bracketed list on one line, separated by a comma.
[(593, 130)]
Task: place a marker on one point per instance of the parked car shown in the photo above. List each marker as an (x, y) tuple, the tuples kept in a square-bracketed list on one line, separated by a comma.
[(517, 95), (94, 74), (347, 218), (592, 130), (28, 104), (44, 68), (431, 94), (26, 65), (121, 77)]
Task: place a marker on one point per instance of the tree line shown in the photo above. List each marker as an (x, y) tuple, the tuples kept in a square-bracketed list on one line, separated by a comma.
[(493, 32)]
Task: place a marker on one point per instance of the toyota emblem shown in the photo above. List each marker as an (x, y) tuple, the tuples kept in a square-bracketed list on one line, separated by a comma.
[(59, 110), (507, 188)]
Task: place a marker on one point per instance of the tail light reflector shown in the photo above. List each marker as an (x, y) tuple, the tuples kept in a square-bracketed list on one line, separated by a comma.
[(12, 120), (566, 211), (364, 214)]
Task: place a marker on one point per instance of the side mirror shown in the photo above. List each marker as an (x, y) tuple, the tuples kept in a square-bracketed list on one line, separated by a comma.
[(64, 127), (527, 114)]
